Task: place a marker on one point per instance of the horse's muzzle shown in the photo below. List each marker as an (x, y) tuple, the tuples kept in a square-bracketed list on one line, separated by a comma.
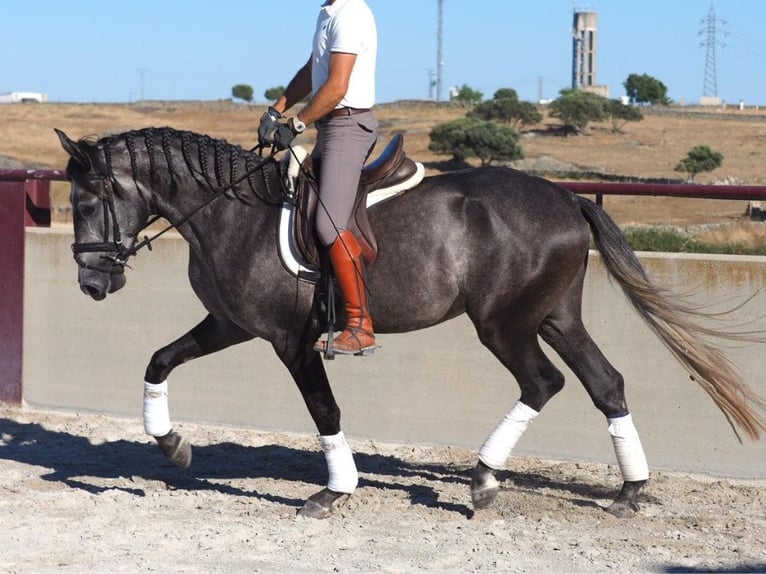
[(98, 285)]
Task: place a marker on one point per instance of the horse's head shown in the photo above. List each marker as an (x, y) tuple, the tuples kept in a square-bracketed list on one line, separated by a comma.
[(107, 217)]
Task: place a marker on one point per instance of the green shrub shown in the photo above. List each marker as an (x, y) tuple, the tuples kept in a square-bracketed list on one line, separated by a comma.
[(674, 241)]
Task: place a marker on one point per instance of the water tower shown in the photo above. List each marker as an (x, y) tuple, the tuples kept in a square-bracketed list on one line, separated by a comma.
[(585, 52)]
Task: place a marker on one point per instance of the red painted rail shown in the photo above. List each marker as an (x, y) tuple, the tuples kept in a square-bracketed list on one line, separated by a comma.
[(25, 174), (689, 190)]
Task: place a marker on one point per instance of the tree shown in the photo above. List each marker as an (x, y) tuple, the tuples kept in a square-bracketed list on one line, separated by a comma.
[(242, 92), (469, 137), (506, 107), (620, 114), (577, 109), (506, 94), (467, 95), (274, 93), (700, 158), (645, 89)]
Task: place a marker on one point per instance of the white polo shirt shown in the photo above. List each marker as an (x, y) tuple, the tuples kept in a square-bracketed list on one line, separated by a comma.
[(347, 26)]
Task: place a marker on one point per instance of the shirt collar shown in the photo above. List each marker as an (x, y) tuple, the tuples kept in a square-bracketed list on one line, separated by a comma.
[(334, 7)]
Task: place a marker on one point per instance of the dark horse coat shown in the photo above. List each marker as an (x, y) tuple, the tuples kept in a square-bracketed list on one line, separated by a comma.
[(507, 249)]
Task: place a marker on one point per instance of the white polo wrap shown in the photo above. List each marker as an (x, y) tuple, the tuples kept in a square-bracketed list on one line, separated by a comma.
[(340, 463), (498, 446), (627, 447), (156, 414)]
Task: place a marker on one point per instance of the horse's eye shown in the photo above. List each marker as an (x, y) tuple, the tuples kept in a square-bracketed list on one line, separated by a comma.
[(87, 210)]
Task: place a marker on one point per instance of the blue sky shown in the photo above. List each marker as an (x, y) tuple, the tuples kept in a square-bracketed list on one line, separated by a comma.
[(100, 50)]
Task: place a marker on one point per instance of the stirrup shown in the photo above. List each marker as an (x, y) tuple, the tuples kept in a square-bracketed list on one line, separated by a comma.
[(329, 351)]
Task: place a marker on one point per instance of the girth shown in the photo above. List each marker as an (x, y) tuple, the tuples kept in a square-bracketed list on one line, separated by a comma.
[(389, 169)]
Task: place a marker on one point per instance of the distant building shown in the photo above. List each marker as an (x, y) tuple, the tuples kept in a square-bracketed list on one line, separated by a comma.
[(23, 98), (585, 52)]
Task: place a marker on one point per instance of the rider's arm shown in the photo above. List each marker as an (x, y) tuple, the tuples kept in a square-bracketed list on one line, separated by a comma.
[(332, 91), (298, 88)]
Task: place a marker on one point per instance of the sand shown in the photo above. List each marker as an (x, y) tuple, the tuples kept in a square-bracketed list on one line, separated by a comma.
[(81, 492)]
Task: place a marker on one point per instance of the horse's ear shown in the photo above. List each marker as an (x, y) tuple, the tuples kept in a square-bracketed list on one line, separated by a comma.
[(73, 149)]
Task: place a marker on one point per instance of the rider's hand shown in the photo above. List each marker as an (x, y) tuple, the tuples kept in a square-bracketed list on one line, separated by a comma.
[(284, 135), (268, 126)]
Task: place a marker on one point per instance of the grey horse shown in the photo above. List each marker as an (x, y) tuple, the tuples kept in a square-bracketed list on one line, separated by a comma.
[(508, 249)]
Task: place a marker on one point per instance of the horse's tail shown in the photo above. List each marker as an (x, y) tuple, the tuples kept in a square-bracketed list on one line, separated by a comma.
[(673, 320)]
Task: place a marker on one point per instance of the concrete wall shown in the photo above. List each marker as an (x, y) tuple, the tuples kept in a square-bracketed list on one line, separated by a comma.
[(435, 386)]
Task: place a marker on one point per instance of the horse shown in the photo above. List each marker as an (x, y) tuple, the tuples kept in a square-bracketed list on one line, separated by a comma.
[(508, 249)]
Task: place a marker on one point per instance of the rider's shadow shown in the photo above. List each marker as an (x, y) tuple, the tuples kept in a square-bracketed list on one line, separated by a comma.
[(77, 462)]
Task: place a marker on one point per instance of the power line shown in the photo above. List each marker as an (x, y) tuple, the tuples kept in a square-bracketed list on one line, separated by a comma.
[(440, 52), (141, 74), (712, 31)]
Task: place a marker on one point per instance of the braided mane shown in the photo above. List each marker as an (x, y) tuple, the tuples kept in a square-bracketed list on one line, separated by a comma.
[(171, 156)]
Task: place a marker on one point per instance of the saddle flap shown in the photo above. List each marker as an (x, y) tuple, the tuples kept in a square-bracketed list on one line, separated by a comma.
[(391, 170)]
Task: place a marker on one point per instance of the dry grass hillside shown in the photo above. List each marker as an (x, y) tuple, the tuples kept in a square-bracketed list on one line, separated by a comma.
[(647, 149)]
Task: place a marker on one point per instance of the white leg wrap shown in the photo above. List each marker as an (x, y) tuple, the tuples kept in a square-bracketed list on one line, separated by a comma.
[(498, 446), (340, 463), (156, 414), (627, 447)]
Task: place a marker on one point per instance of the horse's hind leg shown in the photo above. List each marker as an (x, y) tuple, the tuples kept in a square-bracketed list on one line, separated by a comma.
[(519, 350), (565, 332), (211, 335)]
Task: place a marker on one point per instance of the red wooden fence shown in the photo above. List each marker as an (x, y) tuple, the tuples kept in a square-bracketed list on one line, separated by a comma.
[(24, 201)]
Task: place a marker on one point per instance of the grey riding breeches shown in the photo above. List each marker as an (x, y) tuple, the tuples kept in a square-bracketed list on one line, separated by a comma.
[(343, 144)]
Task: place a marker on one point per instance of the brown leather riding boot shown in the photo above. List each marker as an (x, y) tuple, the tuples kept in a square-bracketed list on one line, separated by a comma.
[(358, 337)]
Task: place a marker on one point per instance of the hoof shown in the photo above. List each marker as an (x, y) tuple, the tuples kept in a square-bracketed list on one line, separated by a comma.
[(320, 505), (622, 509), (484, 498), (484, 487), (176, 448), (626, 505)]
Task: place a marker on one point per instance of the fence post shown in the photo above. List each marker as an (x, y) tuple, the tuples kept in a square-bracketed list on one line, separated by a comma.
[(38, 203), (12, 213)]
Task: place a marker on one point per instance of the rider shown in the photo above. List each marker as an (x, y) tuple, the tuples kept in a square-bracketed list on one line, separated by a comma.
[(340, 76)]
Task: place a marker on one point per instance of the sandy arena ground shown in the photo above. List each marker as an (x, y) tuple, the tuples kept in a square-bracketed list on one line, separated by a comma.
[(89, 493)]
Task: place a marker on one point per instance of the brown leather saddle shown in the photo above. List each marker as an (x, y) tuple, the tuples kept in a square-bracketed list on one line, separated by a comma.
[(391, 168)]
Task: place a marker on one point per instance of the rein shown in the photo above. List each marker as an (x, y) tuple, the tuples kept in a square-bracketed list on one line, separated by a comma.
[(118, 253)]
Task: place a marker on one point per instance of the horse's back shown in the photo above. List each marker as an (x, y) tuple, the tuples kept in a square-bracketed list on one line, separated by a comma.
[(472, 236), (509, 193)]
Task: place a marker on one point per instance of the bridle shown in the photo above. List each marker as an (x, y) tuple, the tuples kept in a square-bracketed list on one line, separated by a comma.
[(115, 250)]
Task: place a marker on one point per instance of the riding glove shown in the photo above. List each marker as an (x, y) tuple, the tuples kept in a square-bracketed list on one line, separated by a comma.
[(267, 126), (284, 135)]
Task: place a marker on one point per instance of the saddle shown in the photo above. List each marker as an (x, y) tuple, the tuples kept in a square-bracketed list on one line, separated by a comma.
[(390, 174)]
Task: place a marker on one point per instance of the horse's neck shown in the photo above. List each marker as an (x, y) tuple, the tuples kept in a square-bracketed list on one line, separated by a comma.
[(210, 220)]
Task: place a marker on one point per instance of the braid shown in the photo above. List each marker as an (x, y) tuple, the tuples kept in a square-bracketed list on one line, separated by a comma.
[(130, 143), (202, 142), (149, 143), (250, 168), (234, 165), (186, 142), (166, 135), (219, 151)]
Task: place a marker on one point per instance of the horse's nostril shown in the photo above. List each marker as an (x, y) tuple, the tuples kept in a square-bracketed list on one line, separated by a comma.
[(94, 292)]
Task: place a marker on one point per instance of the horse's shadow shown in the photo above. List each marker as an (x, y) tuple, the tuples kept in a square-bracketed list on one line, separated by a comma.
[(80, 464)]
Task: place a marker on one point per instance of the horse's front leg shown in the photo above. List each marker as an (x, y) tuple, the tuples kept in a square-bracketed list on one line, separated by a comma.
[(211, 335), (343, 477)]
